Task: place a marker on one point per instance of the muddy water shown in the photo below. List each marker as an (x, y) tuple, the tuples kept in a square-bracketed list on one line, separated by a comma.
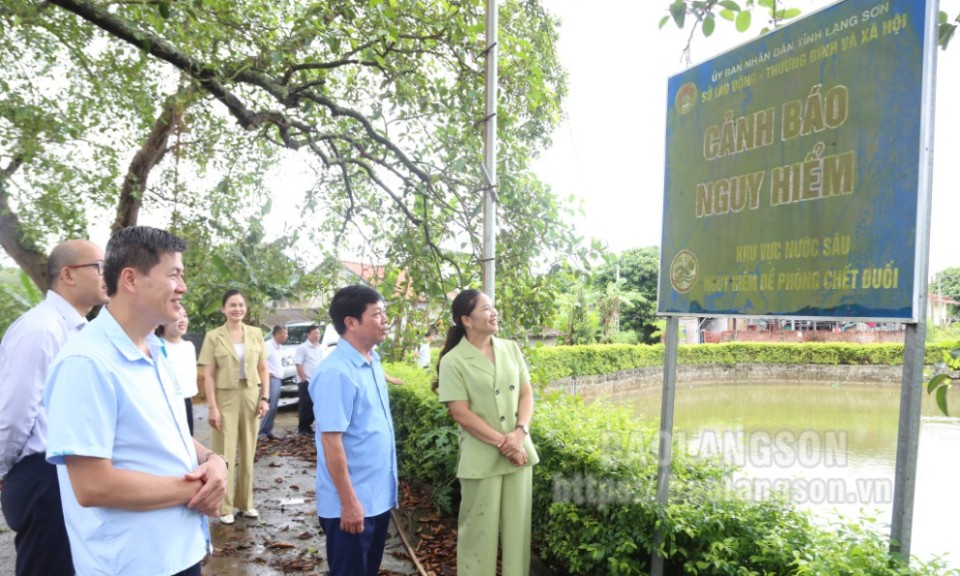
[(832, 446)]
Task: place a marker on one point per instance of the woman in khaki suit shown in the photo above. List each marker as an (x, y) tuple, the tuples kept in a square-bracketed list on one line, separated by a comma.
[(237, 384), (484, 383)]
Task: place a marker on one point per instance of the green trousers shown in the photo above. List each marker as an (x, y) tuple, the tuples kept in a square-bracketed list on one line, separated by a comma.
[(237, 441), (493, 509)]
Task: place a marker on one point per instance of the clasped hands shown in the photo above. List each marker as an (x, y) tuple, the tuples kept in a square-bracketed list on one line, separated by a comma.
[(213, 477), (511, 446)]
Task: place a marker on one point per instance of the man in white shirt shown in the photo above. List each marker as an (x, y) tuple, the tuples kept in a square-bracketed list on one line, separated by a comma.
[(30, 495), (307, 358), (275, 368)]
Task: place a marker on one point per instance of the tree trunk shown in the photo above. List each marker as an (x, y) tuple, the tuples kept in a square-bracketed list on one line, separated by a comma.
[(149, 155), (32, 260), (28, 257)]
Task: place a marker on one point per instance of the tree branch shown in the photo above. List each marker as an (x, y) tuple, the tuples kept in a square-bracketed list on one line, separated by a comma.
[(151, 152), (163, 50), (208, 80), (29, 258)]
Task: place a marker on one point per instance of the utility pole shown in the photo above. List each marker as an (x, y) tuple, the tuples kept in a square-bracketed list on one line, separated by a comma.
[(489, 166)]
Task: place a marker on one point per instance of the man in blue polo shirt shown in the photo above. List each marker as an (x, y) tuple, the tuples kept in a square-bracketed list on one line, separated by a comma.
[(134, 484), (356, 451)]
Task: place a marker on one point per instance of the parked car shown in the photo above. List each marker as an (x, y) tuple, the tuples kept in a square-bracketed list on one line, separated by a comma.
[(297, 335)]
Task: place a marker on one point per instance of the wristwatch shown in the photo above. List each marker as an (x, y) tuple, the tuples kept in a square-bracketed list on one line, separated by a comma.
[(525, 428), (264, 399)]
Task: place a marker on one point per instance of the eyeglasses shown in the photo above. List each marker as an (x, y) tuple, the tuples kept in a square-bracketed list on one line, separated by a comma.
[(97, 265)]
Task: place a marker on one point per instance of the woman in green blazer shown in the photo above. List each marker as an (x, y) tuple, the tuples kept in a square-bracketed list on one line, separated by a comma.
[(237, 385), (485, 385)]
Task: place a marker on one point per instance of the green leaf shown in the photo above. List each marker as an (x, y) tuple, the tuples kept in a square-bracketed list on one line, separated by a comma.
[(766, 3), (678, 10), (663, 21), (743, 21), (946, 34), (936, 382), (728, 15), (729, 5), (708, 25), (942, 399), (790, 13), (164, 7)]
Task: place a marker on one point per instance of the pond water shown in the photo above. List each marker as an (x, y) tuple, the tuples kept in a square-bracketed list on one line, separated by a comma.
[(833, 445)]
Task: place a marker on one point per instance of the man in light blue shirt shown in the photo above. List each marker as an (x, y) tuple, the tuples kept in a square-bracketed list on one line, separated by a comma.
[(30, 495), (134, 490), (356, 449)]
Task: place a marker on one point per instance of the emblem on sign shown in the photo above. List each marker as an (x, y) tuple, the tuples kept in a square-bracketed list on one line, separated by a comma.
[(684, 271), (686, 98)]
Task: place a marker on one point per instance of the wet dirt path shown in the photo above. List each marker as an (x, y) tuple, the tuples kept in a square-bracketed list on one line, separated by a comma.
[(286, 539)]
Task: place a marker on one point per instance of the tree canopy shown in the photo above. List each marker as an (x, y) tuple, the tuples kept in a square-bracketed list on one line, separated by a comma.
[(703, 15), (638, 269), (179, 109)]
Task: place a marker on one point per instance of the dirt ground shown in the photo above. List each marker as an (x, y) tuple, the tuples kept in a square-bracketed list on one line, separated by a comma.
[(286, 539)]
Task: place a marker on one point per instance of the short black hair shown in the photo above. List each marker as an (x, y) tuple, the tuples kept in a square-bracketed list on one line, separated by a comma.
[(138, 247), (351, 301), (278, 328), (312, 327)]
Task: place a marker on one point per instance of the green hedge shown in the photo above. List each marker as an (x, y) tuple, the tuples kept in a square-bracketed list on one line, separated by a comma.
[(549, 364), (594, 487)]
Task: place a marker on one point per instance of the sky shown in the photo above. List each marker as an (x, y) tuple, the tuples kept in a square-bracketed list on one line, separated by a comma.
[(609, 151)]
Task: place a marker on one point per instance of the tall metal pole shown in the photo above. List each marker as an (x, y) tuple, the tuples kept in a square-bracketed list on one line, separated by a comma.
[(911, 385), (670, 355), (490, 156), (908, 441)]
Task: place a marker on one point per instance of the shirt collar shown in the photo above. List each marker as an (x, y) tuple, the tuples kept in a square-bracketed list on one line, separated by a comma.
[(354, 355), (470, 350), (114, 332), (473, 355), (66, 310)]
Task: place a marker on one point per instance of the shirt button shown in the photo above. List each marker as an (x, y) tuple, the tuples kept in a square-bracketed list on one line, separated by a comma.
[(497, 392), (512, 387), (503, 418)]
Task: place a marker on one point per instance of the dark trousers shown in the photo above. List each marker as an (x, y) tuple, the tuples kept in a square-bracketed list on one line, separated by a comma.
[(191, 571), (266, 423), (356, 554), (31, 506), (189, 404), (305, 408)]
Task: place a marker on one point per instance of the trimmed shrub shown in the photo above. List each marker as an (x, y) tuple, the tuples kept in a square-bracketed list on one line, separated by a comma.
[(549, 364), (594, 509)]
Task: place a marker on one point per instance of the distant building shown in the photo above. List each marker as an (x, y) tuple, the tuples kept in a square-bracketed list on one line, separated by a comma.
[(938, 309)]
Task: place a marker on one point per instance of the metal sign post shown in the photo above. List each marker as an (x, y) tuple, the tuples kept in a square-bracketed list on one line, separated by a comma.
[(664, 463)]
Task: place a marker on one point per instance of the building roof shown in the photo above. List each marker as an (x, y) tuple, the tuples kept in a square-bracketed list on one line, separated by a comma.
[(941, 299)]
